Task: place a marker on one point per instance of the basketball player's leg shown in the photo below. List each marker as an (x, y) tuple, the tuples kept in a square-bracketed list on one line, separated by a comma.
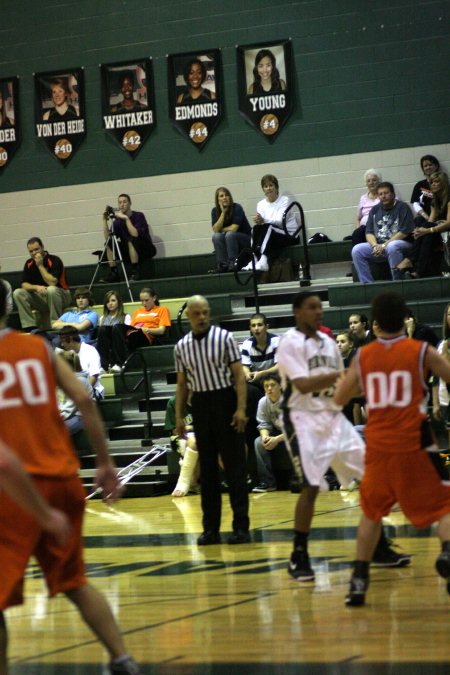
[(97, 614)]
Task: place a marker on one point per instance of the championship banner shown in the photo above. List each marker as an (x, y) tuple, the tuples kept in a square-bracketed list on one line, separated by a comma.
[(60, 111), (9, 119), (265, 85), (195, 86), (128, 103)]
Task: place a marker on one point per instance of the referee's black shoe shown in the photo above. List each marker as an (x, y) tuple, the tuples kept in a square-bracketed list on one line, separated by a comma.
[(239, 537), (208, 537)]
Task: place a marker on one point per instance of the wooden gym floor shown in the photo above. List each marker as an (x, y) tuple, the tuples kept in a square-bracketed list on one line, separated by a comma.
[(226, 610)]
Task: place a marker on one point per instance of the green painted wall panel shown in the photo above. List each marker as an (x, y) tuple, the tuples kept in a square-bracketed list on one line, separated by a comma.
[(367, 78)]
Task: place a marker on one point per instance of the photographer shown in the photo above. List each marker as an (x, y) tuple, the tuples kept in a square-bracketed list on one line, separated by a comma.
[(133, 238)]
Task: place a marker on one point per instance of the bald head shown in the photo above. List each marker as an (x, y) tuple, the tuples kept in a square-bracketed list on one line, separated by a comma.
[(198, 313)]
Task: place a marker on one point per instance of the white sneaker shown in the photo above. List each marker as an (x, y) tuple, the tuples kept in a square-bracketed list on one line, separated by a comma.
[(116, 368), (249, 267), (262, 265)]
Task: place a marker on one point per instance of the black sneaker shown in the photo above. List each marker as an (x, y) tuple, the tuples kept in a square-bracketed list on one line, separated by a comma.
[(239, 537), (385, 556), (443, 567), (357, 592), (127, 667), (299, 566), (207, 538), (264, 487)]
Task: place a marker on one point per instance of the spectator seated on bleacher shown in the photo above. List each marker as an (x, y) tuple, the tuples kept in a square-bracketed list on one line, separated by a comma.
[(231, 230), (346, 342), (44, 293), (388, 234), (81, 318), (271, 438), (70, 341), (258, 357), (149, 326), (133, 238), (359, 327), (425, 257), (369, 199), (419, 331), (113, 314), (9, 297), (422, 196), (67, 408), (268, 236)]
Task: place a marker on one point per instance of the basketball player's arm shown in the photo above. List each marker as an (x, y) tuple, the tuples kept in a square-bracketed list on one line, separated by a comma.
[(106, 474), (347, 386), (181, 395), (437, 364), (19, 487)]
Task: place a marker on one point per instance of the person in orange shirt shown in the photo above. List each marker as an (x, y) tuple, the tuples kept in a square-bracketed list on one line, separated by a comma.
[(29, 375), (149, 325), (402, 460)]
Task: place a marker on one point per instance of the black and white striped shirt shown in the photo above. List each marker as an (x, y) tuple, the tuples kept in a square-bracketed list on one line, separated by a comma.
[(254, 358), (206, 359)]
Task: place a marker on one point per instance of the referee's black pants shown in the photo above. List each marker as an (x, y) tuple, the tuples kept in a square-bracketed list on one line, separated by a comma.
[(212, 413)]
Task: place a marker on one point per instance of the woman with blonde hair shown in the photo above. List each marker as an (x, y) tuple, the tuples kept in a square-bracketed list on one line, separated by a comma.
[(231, 230), (113, 314)]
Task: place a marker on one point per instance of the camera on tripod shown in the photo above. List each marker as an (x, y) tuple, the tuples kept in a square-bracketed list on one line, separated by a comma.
[(110, 212)]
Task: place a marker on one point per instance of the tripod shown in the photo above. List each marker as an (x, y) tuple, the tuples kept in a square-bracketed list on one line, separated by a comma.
[(117, 258)]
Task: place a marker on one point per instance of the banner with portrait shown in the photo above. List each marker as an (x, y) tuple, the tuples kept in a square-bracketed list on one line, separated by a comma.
[(265, 85), (195, 94), (9, 119), (60, 117), (128, 103)]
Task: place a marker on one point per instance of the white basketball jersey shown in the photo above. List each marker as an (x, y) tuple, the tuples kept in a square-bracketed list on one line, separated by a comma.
[(303, 356)]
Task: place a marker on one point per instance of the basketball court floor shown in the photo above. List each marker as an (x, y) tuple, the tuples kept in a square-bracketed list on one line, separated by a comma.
[(233, 610)]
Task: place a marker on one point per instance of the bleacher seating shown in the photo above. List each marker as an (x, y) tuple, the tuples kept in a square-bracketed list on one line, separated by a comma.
[(124, 409)]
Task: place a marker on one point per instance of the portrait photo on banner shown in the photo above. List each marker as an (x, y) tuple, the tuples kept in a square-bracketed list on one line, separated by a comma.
[(128, 109), (265, 84), (9, 119), (194, 84), (60, 111)]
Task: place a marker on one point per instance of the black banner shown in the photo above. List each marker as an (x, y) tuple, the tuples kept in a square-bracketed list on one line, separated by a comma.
[(265, 85), (128, 103), (60, 111), (195, 100), (9, 119)]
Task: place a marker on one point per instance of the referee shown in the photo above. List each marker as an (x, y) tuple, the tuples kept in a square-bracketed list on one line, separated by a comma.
[(208, 362)]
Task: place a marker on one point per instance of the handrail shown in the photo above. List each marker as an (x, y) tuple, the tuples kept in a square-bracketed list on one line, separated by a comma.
[(138, 353), (246, 252), (301, 229), (179, 315)]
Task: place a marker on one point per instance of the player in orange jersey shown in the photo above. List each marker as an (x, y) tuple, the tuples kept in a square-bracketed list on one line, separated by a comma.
[(402, 460), (19, 487), (30, 425)]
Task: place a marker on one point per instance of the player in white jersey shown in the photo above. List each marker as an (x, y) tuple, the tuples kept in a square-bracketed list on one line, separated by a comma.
[(317, 433)]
